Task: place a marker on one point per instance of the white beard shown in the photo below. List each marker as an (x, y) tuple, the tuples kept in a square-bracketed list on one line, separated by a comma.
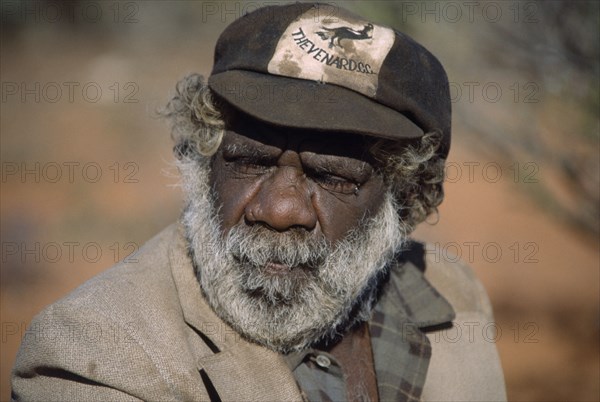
[(329, 289)]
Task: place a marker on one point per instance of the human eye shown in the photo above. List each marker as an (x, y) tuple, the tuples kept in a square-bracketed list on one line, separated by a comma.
[(340, 175), (336, 183), (251, 165), (247, 161)]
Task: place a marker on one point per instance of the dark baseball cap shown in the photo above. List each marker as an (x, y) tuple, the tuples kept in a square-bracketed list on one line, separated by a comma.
[(318, 66)]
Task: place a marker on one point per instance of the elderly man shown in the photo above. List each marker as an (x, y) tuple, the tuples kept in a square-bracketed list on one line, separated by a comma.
[(307, 158)]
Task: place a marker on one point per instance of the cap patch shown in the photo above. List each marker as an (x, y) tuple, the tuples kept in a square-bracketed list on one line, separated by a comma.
[(337, 49)]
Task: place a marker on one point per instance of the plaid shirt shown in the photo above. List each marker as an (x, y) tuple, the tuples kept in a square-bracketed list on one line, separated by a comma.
[(408, 305)]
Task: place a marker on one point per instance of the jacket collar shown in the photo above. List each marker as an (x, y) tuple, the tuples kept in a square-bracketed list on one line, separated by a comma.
[(259, 373), (408, 304), (411, 296)]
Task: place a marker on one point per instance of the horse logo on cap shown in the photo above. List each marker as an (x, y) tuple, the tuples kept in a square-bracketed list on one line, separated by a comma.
[(337, 34)]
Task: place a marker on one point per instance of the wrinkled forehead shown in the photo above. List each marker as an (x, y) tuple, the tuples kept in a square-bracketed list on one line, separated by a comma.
[(246, 131)]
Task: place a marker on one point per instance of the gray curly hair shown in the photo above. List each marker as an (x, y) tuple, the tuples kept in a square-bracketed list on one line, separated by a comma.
[(412, 169)]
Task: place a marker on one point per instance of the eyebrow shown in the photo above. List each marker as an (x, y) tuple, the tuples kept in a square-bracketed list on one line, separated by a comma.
[(321, 164), (248, 150)]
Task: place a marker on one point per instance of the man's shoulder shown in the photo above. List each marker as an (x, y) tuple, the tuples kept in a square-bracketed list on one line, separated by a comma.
[(426, 275), (122, 330), (137, 297), (457, 282), (464, 364)]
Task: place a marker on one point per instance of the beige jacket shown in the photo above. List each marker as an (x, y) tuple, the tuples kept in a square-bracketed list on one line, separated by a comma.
[(142, 331)]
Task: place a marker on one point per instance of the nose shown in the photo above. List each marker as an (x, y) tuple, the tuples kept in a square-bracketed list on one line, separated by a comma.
[(283, 202)]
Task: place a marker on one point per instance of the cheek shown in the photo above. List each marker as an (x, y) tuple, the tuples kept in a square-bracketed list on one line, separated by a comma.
[(232, 195)]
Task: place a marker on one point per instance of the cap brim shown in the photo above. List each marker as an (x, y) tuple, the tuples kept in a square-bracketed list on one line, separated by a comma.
[(308, 104)]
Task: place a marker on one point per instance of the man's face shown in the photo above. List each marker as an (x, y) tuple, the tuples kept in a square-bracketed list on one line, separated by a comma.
[(290, 231), (285, 179)]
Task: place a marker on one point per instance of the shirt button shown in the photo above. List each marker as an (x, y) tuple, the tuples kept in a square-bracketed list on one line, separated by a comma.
[(323, 361)]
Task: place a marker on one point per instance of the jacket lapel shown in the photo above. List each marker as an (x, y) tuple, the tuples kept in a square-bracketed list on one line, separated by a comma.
[(240, 370), (236, 368)]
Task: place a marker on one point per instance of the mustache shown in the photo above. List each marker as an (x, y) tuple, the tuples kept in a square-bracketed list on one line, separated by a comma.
[(257, 245)]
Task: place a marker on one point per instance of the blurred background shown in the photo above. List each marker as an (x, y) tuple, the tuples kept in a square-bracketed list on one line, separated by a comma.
[(87, 173)]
